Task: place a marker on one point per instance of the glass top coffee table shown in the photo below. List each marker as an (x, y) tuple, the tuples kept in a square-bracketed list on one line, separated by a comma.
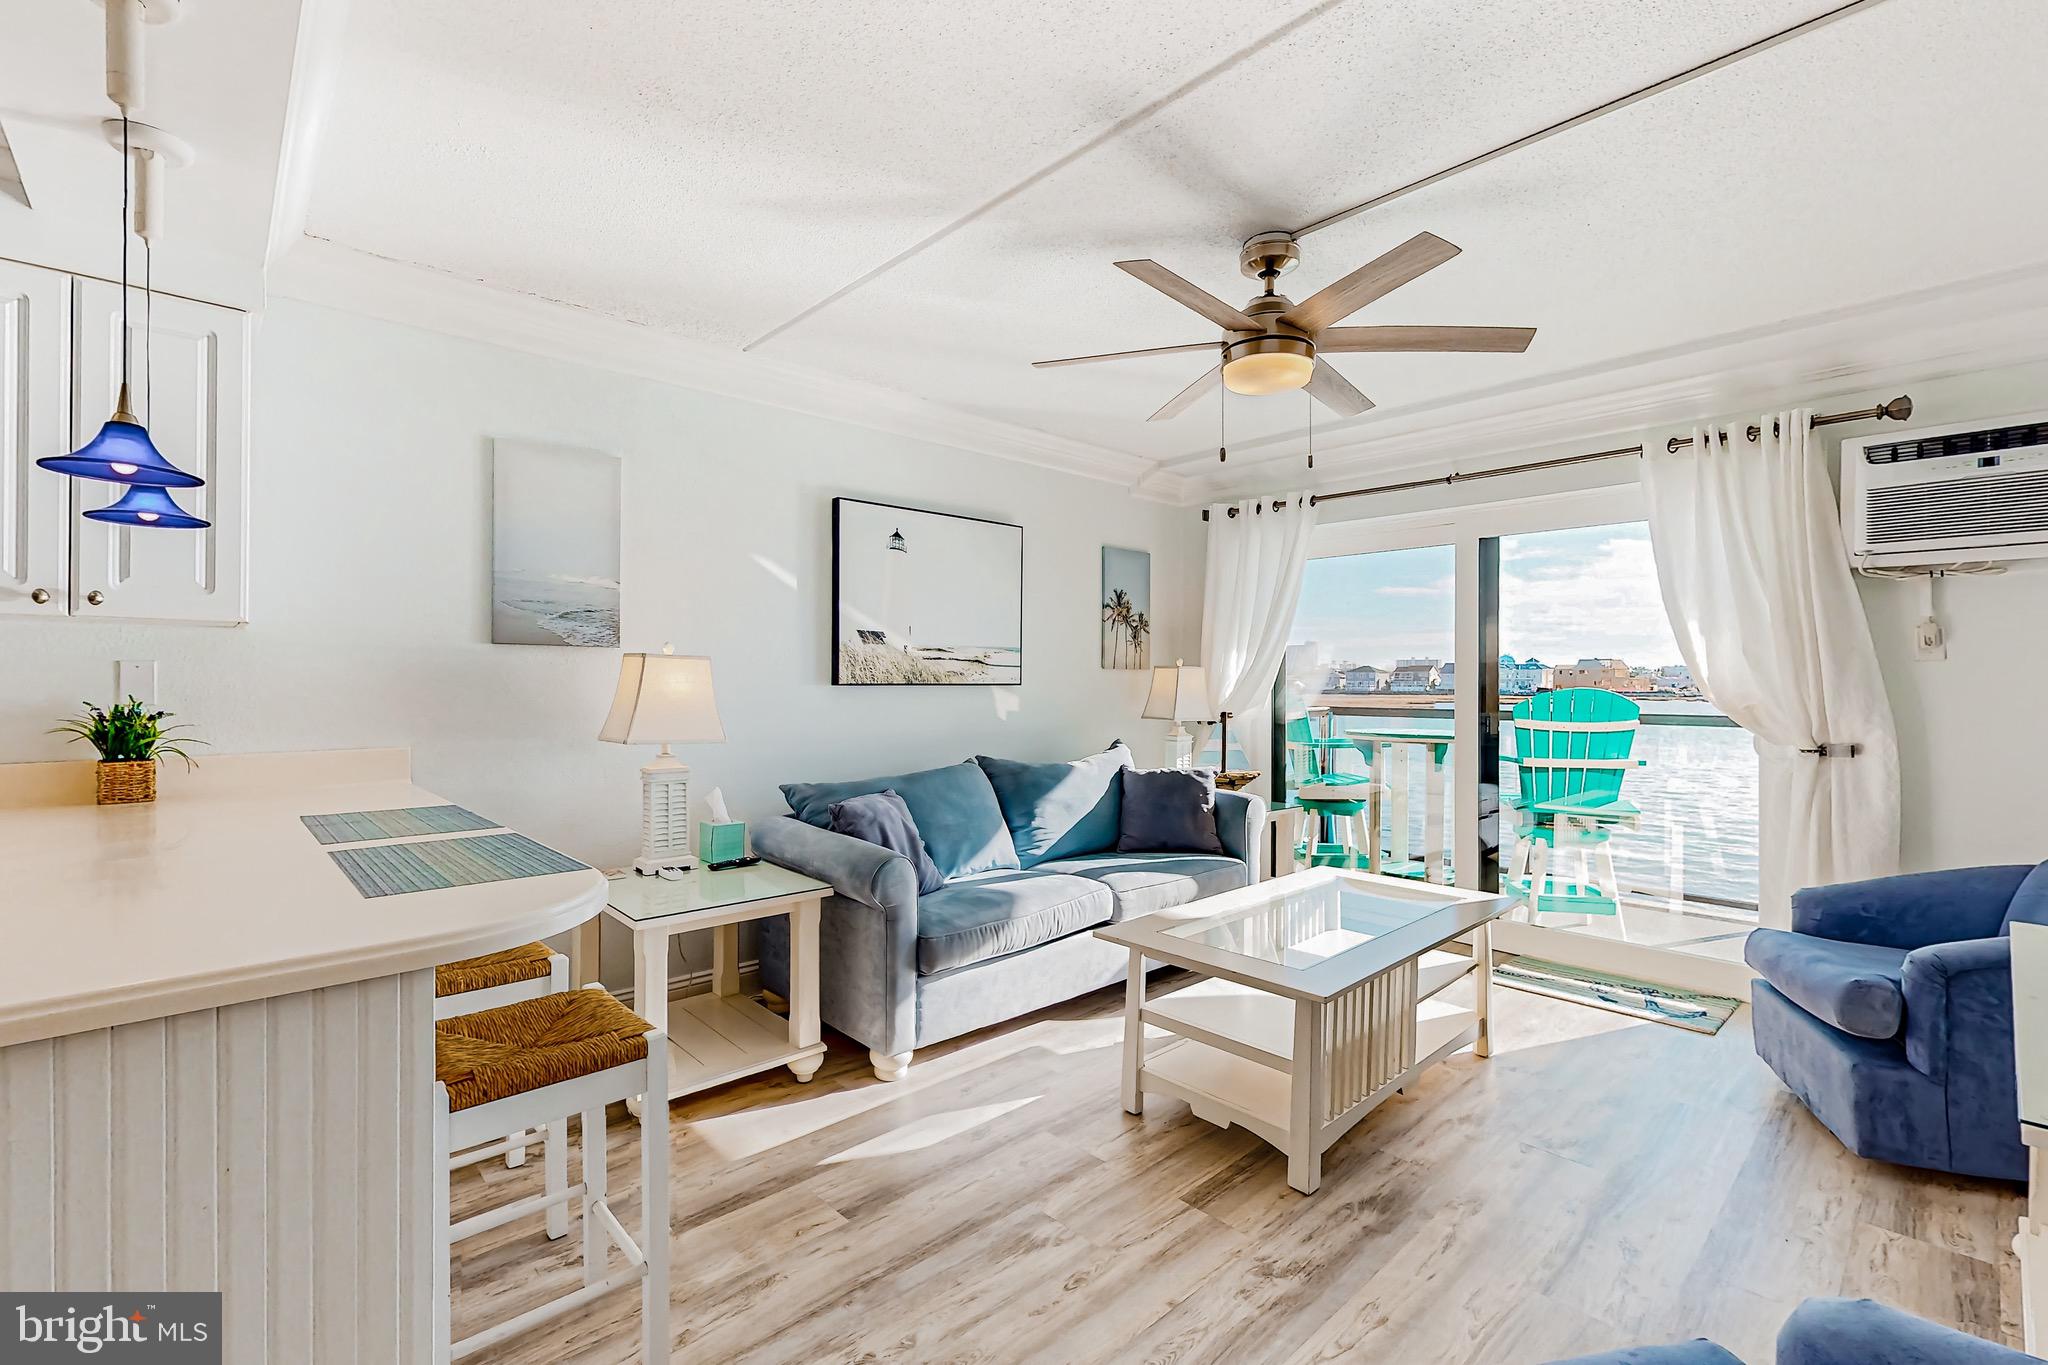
[(1320, 1002)]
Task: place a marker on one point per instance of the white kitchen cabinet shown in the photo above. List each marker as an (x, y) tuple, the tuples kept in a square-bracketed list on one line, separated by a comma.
[(60, 372), (197, 411), (35, 420)]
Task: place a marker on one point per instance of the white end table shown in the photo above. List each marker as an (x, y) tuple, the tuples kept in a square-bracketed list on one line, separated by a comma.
[(722, 1035)]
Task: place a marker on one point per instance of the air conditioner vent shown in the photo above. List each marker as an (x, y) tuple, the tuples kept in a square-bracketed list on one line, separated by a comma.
[(1985, 442), (2009, 505)]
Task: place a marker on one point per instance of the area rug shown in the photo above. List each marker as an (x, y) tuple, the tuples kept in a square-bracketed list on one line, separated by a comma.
[(1623, 994)]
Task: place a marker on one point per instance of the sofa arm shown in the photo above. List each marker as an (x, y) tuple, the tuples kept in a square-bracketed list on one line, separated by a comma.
[(857, 869), (1910, 911), (1862, 1332), (1959, 997), (867, 959), (1240, 820)]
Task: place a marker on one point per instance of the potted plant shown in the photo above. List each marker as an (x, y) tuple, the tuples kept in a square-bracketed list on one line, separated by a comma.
[(131, 741)]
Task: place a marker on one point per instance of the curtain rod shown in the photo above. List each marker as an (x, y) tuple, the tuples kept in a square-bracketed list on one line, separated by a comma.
[(1898, 410)]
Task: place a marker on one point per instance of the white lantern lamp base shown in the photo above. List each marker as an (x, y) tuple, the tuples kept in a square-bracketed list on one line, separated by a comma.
[(1180, 747), (664, 815)]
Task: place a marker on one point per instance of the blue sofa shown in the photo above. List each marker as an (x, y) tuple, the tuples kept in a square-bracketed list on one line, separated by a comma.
[(1888, 1009), (1836, 1332), (1028, 853)]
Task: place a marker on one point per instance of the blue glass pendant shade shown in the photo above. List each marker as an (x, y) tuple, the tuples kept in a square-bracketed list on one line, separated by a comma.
[(122, 453), (148, 505)]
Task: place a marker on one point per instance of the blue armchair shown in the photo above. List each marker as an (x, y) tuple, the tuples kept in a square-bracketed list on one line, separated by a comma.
[(1836, 1332), (1888, 1009)]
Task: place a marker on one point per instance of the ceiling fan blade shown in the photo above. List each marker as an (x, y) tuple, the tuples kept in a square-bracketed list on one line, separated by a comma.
[(1423, 252), (1124, 355), (1178, 404), (1334, 391), (1189, 295), (1425, 338)]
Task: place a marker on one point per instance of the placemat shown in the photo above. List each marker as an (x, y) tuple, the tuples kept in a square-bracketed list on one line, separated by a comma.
[(352, 827), (394, 869)]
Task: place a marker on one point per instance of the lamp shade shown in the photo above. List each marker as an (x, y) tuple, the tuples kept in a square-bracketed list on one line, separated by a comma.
[(663, 699), (122, 453), (1179, 692), (148, 505)]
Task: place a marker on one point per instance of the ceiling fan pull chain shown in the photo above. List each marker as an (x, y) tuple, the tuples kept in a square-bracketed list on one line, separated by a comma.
[(1222, 447), (1311, 433)]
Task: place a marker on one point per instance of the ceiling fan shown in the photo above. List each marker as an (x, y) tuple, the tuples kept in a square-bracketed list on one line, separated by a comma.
[(1273, 344)]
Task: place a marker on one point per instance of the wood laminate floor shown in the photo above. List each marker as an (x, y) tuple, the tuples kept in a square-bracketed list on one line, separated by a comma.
[(1599, 1181)]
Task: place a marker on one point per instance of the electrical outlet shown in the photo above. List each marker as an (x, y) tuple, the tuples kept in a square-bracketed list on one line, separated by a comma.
[(136, 678), (1928, 640)]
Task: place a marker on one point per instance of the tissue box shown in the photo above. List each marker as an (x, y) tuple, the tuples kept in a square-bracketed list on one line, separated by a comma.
[(721, 842)]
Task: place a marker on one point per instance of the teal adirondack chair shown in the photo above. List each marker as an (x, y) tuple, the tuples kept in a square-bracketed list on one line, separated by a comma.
[(1571, 753), (1350, 801)]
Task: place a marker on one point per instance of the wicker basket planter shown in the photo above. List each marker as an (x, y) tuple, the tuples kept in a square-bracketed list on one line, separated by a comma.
[(126, 783)]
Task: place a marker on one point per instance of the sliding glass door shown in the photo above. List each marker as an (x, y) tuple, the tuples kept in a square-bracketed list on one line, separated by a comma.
[(1528, 642)]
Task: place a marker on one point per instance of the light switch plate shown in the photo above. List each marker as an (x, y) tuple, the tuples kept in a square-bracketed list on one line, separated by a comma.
[(136, 678)]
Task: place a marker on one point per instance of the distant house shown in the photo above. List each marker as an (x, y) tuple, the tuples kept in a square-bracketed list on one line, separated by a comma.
[(1521, 679), (1414, 675), (1613, 675), (1676, 678), (1446, 677), (1358, 678)]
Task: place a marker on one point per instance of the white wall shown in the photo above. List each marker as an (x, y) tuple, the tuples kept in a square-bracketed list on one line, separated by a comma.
[(371, 554), (1973, 746)]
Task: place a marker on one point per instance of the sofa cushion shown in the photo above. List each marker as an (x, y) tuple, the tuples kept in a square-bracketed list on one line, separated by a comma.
[(1856, 987), (2030, 902), (880, 818), (955, 809), (1168, 810), (1145, 882), (979, 918), (1056, 810)]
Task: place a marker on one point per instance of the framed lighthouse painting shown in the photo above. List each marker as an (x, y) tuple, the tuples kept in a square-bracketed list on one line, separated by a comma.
[(924, 598)]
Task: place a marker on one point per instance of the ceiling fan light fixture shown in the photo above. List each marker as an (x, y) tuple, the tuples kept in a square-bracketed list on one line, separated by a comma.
[(1268, 364)]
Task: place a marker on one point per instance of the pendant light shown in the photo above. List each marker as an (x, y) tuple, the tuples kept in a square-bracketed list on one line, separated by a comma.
[(147, 505), (122, 452)]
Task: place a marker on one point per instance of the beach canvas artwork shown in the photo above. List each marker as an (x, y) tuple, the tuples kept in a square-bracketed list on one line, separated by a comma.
[(924, 598), (554, 545), (1126, 608)]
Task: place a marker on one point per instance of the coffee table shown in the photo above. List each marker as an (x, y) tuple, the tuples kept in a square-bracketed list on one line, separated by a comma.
[(1320, 1001)]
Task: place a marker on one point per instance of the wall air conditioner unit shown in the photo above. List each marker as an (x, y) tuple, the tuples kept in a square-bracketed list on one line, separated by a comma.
[(1958, 494)]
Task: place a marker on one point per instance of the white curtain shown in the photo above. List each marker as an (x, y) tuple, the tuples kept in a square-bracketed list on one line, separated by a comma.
[(1256, 556), (1749, 551)]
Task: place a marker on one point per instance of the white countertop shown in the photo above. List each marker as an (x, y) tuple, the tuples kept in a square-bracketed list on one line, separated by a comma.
[(206, 898)]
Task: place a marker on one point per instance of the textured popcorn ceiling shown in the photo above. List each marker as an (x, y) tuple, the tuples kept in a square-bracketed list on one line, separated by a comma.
[(719, 170)]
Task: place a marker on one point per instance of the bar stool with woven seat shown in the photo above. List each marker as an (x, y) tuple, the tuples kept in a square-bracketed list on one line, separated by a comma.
[(532, 1064), (480, 983)]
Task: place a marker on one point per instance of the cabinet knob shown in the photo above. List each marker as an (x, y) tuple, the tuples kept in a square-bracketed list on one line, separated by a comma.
[(40, 596), (95, 597)]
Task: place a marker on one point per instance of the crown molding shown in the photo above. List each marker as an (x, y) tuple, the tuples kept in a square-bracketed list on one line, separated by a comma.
[(315, 270), (1987, 323)]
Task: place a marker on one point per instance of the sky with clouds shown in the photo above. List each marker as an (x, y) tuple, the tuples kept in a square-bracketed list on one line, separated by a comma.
[(1565, 595)]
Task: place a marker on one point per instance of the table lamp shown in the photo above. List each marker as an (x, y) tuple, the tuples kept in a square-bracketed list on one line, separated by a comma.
[(1179, 693), (664, 699)]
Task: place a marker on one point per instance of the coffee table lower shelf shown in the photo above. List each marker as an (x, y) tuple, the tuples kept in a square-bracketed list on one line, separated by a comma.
[(1231, 1059)]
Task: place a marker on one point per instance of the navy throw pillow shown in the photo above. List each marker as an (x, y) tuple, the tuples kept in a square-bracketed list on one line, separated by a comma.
[(1168, 810), (881, 818)]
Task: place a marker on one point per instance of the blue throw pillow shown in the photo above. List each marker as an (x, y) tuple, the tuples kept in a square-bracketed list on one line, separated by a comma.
[(1058, 810), (881, 818), (954, 807), (1168, 810)]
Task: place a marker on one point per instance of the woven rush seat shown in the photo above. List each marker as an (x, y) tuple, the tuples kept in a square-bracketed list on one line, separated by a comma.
[(528, 962), (516, 1048)]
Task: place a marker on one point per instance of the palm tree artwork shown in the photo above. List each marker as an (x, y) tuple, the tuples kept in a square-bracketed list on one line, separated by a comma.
[(1138, 628), (1116, 619)]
